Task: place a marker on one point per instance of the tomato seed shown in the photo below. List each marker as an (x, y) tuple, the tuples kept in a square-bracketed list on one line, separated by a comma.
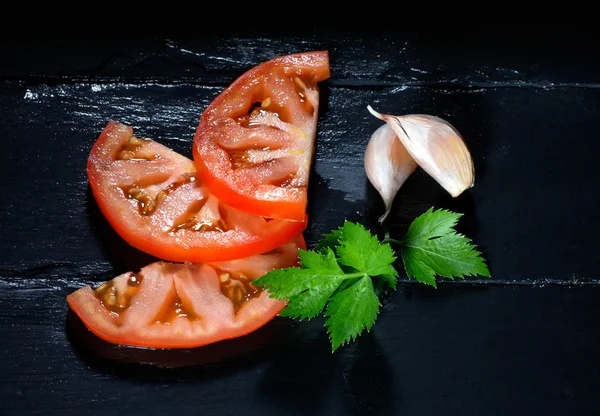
[(126, 155), (111, 299), (129, 151), (146, 203), (116, 301), (135, 280), (238, 289), (266, 102)]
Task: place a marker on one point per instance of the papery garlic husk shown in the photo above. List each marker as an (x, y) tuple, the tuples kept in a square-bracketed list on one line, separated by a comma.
[(437, 147), (387, 165)]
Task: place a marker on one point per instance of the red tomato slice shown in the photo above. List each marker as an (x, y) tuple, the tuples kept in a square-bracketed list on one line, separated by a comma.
[(183, 305), (254, 144), (153, 198)]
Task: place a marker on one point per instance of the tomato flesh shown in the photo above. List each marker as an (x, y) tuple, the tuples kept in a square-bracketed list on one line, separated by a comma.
[(183, 305), (255, 142), (154, 199)]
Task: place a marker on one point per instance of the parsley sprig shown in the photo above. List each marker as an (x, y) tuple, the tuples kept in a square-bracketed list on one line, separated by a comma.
[(346, 273)]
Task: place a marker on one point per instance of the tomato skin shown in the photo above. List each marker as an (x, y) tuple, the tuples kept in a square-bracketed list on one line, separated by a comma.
[(291, 210), (250, 234), (264, 189), (197, 288), (84, 303)]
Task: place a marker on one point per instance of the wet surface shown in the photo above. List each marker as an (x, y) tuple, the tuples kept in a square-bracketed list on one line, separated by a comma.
[(522, 342)]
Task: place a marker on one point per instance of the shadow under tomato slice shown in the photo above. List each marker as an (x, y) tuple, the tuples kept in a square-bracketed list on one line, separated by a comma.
[(138, 362), (154, 199)]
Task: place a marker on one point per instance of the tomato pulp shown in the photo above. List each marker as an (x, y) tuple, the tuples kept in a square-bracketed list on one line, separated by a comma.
[(154, 199), (184, 305), (255, 142)]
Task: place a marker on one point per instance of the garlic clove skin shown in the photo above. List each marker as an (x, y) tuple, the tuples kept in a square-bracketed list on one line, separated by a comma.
[(387, 165), (437, 147)]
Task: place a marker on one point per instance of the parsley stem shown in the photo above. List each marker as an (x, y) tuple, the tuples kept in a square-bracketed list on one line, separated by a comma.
[(388, 240), (353, 275)]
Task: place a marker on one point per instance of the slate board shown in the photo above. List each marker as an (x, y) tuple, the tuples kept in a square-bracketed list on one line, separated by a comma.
[(523, 342)]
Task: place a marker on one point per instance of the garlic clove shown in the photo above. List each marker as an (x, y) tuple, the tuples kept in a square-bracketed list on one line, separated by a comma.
[(437, 147), (387, 165)]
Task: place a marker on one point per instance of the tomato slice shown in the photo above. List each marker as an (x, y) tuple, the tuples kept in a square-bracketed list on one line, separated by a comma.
[(254, 144), (153, 198), (184, 305)]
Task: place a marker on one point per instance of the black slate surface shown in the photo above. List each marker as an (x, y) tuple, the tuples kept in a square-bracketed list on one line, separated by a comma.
[(524, 342)]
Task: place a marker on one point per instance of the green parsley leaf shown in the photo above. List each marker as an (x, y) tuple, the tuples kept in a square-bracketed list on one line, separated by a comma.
[(308, 288), (361, 250), (351, 311), (432, 247), (331, 240), (339, 285), (350, 267), (431, 223)]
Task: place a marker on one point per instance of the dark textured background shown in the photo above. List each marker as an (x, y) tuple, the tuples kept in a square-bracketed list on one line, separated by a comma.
[(524, 342)]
